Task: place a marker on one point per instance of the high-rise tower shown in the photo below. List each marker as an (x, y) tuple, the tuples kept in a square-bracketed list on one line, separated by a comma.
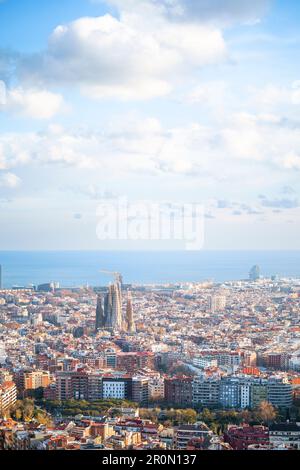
[(129, 321), (113, 307), (100, 318), (117, 320), (254, 274)]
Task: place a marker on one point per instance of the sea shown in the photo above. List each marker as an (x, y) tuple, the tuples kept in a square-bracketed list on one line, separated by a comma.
[(81, 268)]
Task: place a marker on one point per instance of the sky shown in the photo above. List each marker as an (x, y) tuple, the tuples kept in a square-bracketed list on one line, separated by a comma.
[(164, 102)]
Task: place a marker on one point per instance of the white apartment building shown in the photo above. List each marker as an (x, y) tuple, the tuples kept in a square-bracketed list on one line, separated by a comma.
[(245, 395), (113, 389)]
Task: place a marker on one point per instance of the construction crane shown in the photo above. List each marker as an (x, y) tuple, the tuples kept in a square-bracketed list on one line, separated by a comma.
[(117, 276)]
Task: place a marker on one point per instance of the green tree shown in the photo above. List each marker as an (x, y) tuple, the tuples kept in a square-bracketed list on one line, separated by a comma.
[(189, 416), (207, 416)]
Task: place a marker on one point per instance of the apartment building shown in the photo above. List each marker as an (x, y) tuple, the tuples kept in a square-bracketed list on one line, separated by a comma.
[(280, 392), (206, 392), (229, 396), (8, 396), (140, 390), (156, 388), (78, 386), (117, 387), (205, 361), (259, 392), (285, 434), (241, 437), (179, 391), (185, 434), (36, 379)]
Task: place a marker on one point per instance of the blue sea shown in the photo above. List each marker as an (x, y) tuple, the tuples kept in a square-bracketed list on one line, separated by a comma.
[(77, 268)]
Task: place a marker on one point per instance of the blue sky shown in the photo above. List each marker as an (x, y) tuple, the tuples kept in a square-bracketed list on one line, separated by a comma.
[(36, 20), (176, 101)]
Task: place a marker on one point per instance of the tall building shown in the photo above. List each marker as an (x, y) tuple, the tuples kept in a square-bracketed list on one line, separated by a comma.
[(113, 307), (245, 394), (119, 279), (36, 379), (278, 361), (280, 392), (179, 391), (206, 392), (78, 386), (229, 395), (254, 273), (100, 318), (259, 392), (157, 388), (117, 388), (129, 321), (140, 390), (8, 397)]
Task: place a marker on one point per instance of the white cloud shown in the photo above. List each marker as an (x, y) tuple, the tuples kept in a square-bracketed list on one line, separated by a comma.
[(142, 53), (33, 103), (242, 145), (208, 91), (214, 95), (9, 180), (221, 12), (273, 95), (128, 58), (291, 160)]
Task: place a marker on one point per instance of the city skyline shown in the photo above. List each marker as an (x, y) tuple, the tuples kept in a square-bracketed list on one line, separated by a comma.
[(210, 367), (165, 102), (150, 222)]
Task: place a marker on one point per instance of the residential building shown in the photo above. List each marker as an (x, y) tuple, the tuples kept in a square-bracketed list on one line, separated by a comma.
[(186, 433), (206, 392), (179, 391), (241, 437), (8, 397), (280, 392), (285, 433)]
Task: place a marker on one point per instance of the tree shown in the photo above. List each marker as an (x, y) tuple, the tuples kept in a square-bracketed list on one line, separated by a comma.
[(266, 412), (246, 416), (27, 407), (94, 413), (207, 416), (189, 416), (43, 418), (18, 414)]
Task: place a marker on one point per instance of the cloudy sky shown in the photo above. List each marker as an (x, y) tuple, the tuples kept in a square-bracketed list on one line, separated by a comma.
[(154, 100)]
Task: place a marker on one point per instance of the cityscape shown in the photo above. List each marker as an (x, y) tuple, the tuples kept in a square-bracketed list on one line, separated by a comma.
[(192, 366), (149, 232)]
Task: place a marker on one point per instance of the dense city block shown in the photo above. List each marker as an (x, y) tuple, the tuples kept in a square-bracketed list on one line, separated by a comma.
[(189, 366)]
